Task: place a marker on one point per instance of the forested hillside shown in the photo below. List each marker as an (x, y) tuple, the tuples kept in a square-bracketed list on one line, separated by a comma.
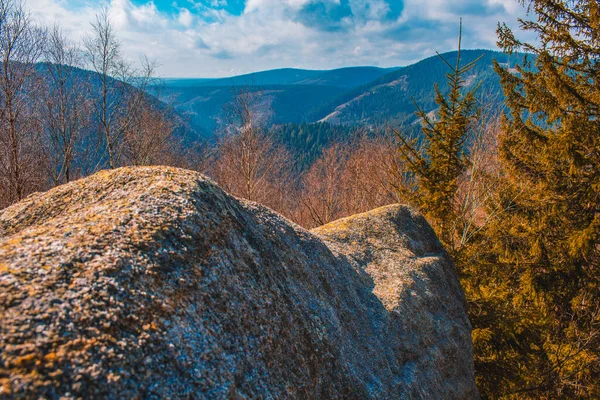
[(306, 141), (391, 98), (205, 106)]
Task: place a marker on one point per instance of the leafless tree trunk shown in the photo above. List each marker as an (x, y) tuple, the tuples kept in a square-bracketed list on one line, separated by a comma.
[(67, 106), (21, 44), (122, 88)]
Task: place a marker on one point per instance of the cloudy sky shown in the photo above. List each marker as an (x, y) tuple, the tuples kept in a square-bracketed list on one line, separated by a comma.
[(214, 38)]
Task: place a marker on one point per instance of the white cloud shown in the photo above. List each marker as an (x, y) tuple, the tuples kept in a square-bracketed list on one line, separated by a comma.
[(253, 5), (268, 35), (185, 17)]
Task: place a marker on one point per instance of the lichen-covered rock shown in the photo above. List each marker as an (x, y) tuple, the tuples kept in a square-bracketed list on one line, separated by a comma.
[(154, 283), (417, 283)]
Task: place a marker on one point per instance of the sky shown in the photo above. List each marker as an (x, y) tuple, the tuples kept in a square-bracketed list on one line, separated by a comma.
[(217, 38)]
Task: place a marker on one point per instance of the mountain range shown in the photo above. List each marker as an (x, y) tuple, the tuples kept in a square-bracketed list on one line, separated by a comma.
[(354, 96), (342, 77)]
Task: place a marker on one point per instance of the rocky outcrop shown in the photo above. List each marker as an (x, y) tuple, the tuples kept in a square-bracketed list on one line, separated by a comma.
[(416, 282), (154, 283)]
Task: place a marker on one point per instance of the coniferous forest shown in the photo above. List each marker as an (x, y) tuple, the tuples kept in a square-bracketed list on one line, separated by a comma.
[(502, 157)]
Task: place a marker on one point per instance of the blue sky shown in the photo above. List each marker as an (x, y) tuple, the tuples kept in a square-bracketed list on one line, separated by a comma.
[(213, 38), (233, 7)]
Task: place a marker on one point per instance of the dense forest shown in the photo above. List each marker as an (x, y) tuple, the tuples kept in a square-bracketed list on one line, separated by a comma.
[(511, 184), (306, 141)]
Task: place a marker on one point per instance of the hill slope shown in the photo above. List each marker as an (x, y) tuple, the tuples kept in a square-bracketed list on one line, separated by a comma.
[(154, 283), (389, 98), (204, 106)]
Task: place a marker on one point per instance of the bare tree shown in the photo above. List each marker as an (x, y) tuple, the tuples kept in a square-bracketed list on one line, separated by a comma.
[(21, 44), (322, 194), (371, 172), (349, 178), (149, 139), (67, 106), (249, 163), (122, 88)]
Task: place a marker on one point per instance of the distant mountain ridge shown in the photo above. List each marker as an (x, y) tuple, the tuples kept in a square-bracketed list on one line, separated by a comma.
[(341, 77), (353, 96)]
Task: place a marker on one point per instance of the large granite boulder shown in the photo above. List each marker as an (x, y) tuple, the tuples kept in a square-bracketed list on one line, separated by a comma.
[(154, 283)]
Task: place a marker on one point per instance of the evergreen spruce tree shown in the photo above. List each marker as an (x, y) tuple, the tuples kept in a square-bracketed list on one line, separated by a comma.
[(437, 160), (547, 242)]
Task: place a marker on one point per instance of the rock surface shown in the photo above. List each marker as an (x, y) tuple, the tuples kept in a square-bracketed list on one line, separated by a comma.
[(154, 283)]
